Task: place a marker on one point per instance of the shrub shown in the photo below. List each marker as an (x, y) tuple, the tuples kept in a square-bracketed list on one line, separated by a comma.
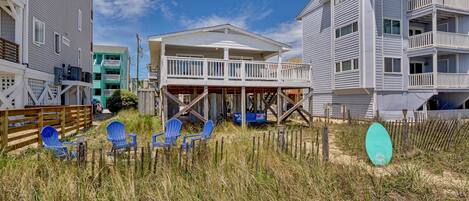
[(122, 99)]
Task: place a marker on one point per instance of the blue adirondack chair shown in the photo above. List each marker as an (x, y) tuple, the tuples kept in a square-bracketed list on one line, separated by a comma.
[(116, 134), (171, 133), (50, 140), (206, 134)]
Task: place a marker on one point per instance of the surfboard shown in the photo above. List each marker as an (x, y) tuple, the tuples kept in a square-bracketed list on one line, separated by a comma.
[(378, 145)]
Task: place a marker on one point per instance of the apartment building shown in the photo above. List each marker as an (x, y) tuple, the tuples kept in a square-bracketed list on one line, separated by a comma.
[(385, 56), (111, 71), (45, 52)]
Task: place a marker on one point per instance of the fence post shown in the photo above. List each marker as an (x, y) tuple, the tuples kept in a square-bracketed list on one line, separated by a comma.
[(62, 122), (40, 125), (405, 131), (349, 116), (5, 130), (325, 143), (377, 117)]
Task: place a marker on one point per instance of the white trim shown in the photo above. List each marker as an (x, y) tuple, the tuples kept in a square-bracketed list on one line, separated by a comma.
[(80, 20), (57, 42), (352, 65), (190, 55), (241, 58), (343, 26), (39, 43), (66, 41)]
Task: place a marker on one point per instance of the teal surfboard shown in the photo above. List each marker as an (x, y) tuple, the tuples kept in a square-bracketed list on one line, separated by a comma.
[(378, 145)]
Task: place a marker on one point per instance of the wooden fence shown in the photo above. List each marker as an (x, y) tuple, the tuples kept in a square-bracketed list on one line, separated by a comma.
[(22, 127), (432, 135)]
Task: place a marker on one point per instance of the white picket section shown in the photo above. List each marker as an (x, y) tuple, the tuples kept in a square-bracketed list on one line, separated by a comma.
[(418, 4), (421, 80), (421, 40)]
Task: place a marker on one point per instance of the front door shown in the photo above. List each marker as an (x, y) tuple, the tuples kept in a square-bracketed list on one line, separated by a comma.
[(416, 68)]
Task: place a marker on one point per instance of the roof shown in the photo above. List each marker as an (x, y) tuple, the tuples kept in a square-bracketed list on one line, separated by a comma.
[(218, 27), (110, 49), (306, 9)]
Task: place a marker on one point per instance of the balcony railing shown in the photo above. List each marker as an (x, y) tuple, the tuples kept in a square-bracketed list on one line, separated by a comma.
[(9, 51), (444, 80), (109, 92), (444, 39), (112, 63), (457, 4), (112, 77), (234, 70)]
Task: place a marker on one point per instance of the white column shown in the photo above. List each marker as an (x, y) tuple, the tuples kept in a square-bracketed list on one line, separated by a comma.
[(279, 68), (243, 107), (206, 103), (78, 95), (19, 32), (226, 53), (163, 67), (435, 52)]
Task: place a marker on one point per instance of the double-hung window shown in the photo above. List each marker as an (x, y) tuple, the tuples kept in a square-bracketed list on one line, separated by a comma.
[(392, 26), (345, 30), (346, 65), (39, 32), (392, 65)]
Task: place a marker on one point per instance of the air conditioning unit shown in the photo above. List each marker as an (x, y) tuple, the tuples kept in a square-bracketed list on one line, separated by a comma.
[(74, 73), (58, 75)]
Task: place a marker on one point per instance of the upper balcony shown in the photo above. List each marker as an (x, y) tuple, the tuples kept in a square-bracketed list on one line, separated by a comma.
[(457, 5), (441, 39), (219, 72), (9, 51), (442, 81), (111, 63)]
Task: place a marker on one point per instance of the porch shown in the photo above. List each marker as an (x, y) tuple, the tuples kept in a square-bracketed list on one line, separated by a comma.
[(441, 80), (414, 5), (439, 39)]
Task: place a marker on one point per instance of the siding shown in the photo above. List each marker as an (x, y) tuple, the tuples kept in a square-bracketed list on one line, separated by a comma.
[(379, 69), (7, 26), (346, 13), (392, 9), (464, 63), (317, 46), (347, 80), (360, 105), (61, 16), (392, 82), (319, 101), (347, 47)]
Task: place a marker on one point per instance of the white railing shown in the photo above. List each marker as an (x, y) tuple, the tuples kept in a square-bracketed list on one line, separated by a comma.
[(422, 80), (421, 40), (112, 77), (109, 92), (417, 4), (453, 80), (453, 40), (112, 63), (447, 39), (218, 69), (444, 80)]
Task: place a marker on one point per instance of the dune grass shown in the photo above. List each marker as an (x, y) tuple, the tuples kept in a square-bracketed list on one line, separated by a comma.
[(35, 175)]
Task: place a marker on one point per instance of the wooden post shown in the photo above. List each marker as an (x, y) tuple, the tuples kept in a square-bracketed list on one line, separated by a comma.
[(405, 131), (325, 143), (349, 116), (279, 106), (40, 125), (310, 109), (5, 130), (243, 107), (206, 116), (62, 122), (77, 120)]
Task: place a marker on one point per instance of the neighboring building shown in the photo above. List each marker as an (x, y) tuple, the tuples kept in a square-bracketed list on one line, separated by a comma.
[(111, 71), (387, 55), (45, 52), (215, 69)]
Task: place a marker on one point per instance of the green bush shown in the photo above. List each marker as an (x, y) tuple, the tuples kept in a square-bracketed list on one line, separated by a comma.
[(122, 99)]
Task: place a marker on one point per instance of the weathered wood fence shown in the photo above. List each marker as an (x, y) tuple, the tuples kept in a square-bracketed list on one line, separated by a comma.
[(22, 127), (433, 135)]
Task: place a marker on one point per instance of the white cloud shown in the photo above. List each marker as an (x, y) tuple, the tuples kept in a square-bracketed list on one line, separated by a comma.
[(124, 8), (290, 33)]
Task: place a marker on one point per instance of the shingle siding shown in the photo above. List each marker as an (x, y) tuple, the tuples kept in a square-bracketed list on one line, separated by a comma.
[(61, 16)]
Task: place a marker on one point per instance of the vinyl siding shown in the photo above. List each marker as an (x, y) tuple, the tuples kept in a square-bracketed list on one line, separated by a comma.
[(345, 80), (392, 82), (61, 16), (346, 13), (319, 101), (317, 46), (464, 63), (360, 105), (7, 26), (379, 68)]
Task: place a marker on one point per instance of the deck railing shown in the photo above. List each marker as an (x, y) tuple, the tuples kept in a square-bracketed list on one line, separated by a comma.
[(218, 69), (112, 63), (457, 4), (112, 77), (444, 80), (22, 127), (446, 39), (9, 51)]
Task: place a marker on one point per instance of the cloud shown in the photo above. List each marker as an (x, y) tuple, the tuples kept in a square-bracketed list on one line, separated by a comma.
[(124, 8), (290, 33)]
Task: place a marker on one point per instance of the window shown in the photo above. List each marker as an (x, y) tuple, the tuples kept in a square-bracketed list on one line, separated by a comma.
[(346, 65), (392, 27), (416, 67), (80, 19), (345, 30), (39, 29), (392, 65), (97, 92), (66, 41), (97, 76), (57, 42), (79, 57)]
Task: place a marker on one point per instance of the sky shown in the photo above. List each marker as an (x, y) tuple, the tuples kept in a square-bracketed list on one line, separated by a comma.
[(116, 22)]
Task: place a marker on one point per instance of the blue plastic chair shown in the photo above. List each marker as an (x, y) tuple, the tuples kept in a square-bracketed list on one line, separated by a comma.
[(50, 140), (206, 134), (171, 133), (116, 134)]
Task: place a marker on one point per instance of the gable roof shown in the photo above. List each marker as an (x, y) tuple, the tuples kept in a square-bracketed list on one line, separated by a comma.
[(310, 6), (220, 27)]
